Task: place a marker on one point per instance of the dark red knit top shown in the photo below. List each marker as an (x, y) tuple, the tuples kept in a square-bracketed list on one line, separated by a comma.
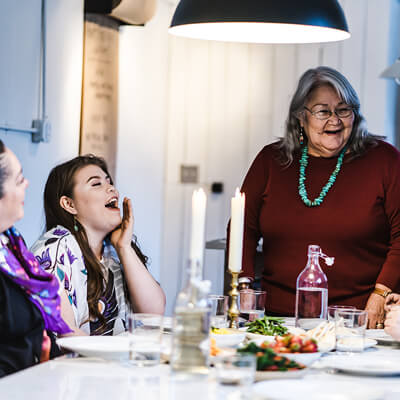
[(358, 223)]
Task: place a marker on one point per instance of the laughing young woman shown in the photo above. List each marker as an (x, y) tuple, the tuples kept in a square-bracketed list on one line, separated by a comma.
[(328, 182), (89, 247)]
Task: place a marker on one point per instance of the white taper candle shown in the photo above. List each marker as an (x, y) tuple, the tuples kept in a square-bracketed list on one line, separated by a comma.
[(236, 232)]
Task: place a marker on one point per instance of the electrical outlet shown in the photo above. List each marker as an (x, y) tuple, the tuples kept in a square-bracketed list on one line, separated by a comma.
[(43, 133), (189, 174)]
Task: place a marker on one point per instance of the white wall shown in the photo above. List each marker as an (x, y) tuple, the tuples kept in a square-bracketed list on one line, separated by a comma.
[(19, 88), (225, 102), (143, 66)]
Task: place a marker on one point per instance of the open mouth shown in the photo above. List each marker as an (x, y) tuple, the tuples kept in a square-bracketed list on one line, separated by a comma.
[(332, 131), (112, 203)]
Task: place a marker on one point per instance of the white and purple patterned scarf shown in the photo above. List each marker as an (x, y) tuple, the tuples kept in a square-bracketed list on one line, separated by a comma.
[(21, 266)]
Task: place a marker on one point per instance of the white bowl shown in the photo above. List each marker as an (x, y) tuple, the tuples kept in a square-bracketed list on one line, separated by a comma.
[(229, 339), (303, 358)]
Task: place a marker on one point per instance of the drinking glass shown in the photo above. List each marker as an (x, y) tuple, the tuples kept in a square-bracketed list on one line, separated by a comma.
[(219, 310), (252, 304), (350, 328), (238, 369), (145, 333), (333, 308)]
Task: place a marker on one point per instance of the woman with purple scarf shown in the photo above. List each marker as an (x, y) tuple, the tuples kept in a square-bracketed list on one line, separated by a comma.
[(29, 300)]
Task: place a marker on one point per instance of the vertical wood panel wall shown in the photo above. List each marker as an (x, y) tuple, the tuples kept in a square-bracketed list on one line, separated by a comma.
[(226, 101)]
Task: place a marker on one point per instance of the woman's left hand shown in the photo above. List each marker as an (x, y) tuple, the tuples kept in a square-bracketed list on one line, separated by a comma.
[(376, 310), (121, 237)]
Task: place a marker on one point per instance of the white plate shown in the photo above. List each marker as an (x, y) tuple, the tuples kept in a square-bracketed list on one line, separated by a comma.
[(367, 344), (362, 365), (381, 337), (302, 358), (229, 339), (306, 389), (259, 339), (267, 375), (106, 347)]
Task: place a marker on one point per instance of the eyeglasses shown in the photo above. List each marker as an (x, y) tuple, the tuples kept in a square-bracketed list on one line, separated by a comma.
[(342, 112)]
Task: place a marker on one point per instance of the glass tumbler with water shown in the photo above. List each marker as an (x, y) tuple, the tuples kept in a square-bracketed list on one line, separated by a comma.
[(350, 326), (145, 334), (252, 304), (312, 291), (219, 310)]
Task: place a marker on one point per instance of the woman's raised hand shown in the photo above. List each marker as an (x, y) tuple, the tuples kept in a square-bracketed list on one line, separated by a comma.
[(121, 237)]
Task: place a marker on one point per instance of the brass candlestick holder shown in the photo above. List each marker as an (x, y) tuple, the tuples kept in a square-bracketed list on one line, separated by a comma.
[(233, 311)]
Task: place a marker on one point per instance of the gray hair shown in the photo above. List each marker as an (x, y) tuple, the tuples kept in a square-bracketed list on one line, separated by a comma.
[(312, 79)]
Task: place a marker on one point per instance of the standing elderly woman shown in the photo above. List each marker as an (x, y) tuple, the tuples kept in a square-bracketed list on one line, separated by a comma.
[(29, 301), (89, 247), (327, 182)]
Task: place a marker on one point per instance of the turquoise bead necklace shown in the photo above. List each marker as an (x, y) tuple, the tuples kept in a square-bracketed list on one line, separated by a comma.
[(302, 179)]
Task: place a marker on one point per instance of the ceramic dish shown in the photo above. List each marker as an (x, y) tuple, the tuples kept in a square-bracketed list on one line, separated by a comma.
[(367, 344), (365, 366), (381, 337), (303, 358), (228, 340), (268, 375), (106, 347)]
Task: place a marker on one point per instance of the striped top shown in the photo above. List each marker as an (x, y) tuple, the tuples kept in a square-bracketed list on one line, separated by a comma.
[(58, 252)]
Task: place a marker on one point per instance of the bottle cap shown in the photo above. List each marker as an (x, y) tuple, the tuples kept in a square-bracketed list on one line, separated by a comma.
[(245, 279)]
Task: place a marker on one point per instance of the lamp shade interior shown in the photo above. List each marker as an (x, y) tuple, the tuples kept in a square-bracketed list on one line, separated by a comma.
[(260, 21)]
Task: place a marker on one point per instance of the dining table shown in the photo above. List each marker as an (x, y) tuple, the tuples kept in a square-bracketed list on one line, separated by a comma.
[(72, 377)]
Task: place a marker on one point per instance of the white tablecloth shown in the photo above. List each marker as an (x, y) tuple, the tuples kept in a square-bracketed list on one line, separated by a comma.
[(93, 379)]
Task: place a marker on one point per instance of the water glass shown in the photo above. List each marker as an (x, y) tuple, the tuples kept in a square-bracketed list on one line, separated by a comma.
[(350, 326), (252, 304), (238, 369), (145, 333), (332, 309), (219, 310)]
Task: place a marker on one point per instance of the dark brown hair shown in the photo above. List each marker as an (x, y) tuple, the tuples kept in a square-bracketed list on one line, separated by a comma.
[(60, 183)]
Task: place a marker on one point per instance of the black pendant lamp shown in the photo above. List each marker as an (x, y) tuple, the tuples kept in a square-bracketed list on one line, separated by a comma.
[(261, 21)]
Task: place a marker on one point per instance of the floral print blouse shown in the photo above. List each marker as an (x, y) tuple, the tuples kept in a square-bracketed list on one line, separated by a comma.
[(58, 252)]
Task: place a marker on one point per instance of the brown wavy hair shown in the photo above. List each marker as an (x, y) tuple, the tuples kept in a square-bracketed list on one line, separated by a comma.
[(61, 182)]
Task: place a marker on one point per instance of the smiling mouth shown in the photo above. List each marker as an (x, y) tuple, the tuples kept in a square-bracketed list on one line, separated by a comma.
[(333, 131), (113, 204)]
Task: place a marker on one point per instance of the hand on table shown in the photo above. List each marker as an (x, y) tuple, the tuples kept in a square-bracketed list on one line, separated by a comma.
[(392, 322), (392, 299), (376, 311), (46, 345)]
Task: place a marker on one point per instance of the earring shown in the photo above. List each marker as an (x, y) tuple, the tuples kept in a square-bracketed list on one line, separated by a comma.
[(76, 227), (301, 136)]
